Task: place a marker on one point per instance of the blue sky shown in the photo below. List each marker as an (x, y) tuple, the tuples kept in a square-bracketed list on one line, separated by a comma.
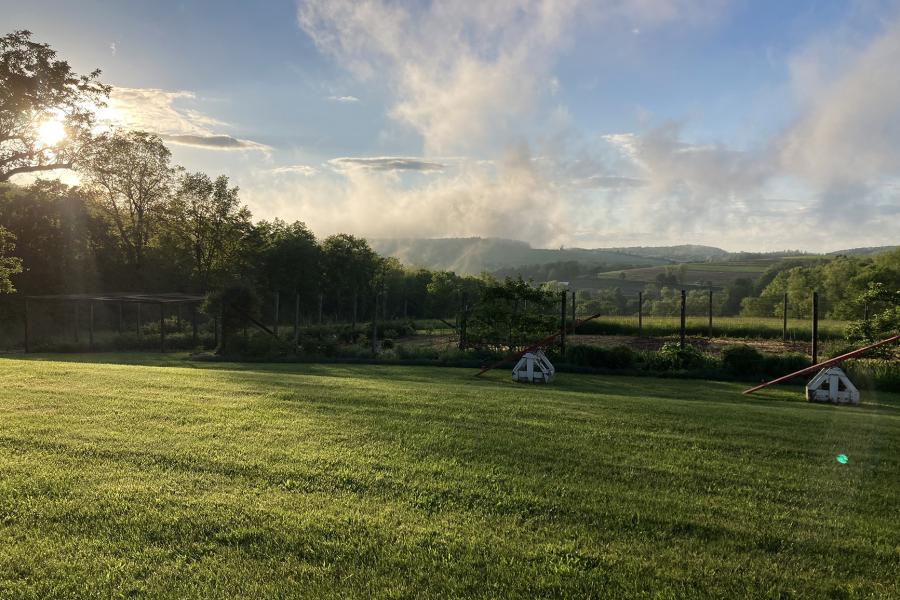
[(749, 125)]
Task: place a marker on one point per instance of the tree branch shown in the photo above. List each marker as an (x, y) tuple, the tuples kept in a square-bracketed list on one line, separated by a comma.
[(33, 169)]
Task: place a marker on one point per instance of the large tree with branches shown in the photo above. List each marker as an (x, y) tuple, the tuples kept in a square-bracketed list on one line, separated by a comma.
[(37, 89), (131, 175)]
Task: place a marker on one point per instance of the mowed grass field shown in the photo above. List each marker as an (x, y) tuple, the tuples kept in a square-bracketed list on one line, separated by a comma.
[(162, 478)]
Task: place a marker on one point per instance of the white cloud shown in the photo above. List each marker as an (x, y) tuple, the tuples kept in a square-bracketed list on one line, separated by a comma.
[(386, 163), (304, 170), (477, 79), (850, 129), (343, 99), (507, 198), (170, 114)]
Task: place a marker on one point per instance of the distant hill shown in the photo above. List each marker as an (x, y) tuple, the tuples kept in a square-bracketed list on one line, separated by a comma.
[(863, 251), (682, 253), (475, 255)]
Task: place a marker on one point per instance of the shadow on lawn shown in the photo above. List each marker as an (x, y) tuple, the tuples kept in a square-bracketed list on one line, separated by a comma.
[(607, 384)]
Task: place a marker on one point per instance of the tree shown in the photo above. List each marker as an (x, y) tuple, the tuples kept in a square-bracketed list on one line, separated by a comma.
[(9, 265), (513, 314), (291, 260), (349, 264), (883, 320), (132, 177), (62, 246), (208, 223), (46, 110)]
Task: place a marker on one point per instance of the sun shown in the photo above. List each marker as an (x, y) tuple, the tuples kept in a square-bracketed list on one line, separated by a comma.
[(51, 132)]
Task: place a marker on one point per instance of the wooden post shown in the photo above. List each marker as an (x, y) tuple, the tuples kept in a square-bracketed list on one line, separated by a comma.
[(573, 312), (374, 325), (121, 317), (640, 313), (162, 328), (353, 324), (463, 318), (277, 300), (710, 312), (865, 312), (683, 304), (216, 338), (296, 318), (321, 299), (562, 322), (178, 317), (91, 326), (194, 336), (77, 319), (139, 323), (26, 326), (815, 327), (784, 311)]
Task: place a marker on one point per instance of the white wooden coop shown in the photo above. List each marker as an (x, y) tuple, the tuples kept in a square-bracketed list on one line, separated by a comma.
[(534, 367), (832, 385)]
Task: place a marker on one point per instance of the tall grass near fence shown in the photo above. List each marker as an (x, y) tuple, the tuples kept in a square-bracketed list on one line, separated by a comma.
[(731, 327)]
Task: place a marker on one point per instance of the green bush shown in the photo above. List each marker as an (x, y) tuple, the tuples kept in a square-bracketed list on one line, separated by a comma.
[(620, 357), (743, 360), (776, 365), (671, 357), (878, 374)]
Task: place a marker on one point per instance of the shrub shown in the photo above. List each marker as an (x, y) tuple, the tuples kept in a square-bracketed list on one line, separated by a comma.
[(620, 357), (743, 360), (671, 357), (781, 364)]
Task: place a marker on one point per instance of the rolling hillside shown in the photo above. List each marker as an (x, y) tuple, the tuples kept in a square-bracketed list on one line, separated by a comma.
[(474, 255)]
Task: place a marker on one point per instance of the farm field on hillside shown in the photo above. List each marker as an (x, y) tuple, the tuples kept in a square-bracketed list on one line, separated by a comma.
[(700, 274), (167, 478)]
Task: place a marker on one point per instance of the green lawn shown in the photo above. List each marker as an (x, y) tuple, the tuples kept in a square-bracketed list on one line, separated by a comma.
[(150, 476)]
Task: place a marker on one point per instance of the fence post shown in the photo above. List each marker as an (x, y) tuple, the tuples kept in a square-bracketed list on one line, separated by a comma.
[(710, 312), (463, 316), (91, 326), (573, 312), (121, 317), (562, 322), (139, 324), (77, 319), (320, 308), (640, 314), (374, 325), (162, 328), (683, 303), (353, 324), (194, 336), (26, 325), (277, 300), (784, 311), (296, 318), (815, 327)]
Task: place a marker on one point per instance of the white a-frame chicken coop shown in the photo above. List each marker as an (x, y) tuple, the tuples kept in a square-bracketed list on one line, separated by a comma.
[(832, 385), (534, 367)]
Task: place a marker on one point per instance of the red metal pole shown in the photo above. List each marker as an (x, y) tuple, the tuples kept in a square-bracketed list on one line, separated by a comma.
[(824, 364)]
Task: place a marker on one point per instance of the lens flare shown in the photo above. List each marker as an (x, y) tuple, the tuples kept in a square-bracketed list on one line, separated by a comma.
[(842, 458), (50, 133)]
